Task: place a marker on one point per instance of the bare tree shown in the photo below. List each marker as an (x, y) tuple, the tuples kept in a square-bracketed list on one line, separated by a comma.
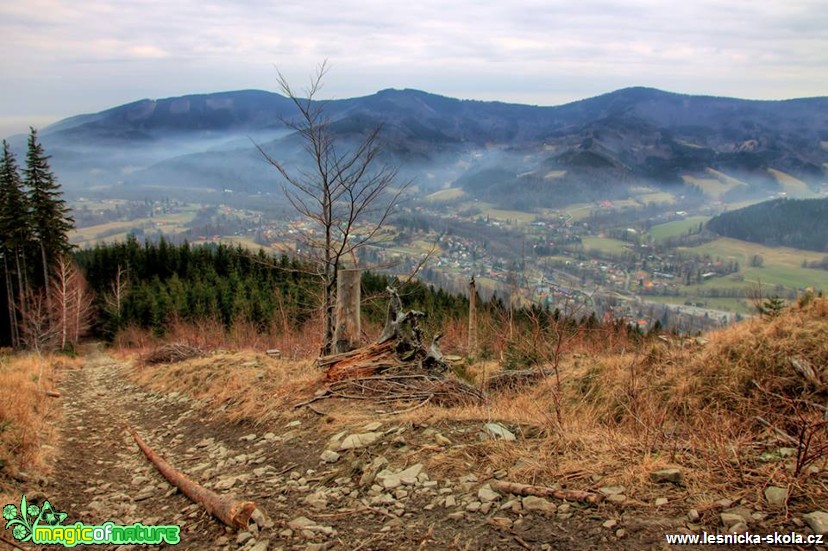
[(71, 303), (346, 197), (38, 330), (118, 290)]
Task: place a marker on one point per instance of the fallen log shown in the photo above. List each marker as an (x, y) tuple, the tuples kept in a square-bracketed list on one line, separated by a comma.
[(541, 491), (52, 393), (234, 513), (362, 362)]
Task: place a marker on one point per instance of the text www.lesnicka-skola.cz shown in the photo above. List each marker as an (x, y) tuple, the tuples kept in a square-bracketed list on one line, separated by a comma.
[(791, 538)]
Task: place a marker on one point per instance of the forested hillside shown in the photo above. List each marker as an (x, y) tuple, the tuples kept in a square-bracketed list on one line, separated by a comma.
[(40, 287), (148, 285), (798, 223)]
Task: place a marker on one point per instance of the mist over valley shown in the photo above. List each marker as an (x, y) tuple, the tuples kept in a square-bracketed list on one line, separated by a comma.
[(603, 199)]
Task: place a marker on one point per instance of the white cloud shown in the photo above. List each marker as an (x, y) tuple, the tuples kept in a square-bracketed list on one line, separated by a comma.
[(105, 52)]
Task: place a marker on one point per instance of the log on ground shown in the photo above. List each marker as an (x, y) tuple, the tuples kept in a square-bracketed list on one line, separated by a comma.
[(234, 513)]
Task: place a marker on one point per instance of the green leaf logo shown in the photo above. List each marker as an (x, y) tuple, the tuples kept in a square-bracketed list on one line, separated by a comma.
[(19, 521), (24, 520), (50, 516)]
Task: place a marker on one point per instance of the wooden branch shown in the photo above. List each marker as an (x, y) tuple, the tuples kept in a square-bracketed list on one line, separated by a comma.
[(174, 352), (541, 491), (435, 357), (236, 514), (778, 431), (52, 393), (392, 317), (804, 368)]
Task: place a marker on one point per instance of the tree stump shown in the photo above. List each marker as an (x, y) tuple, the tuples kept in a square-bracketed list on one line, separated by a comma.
[(348, 326)]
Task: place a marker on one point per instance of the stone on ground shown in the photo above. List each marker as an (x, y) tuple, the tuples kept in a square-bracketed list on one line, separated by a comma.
[(818, 521)]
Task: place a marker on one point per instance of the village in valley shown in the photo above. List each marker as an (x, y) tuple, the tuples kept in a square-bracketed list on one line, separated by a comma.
[(648, 259)]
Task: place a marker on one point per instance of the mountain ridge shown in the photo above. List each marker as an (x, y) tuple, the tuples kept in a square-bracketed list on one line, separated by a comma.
[(632, 135)]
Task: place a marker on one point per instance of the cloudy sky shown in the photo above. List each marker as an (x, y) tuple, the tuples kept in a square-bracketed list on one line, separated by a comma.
[(66, 57)]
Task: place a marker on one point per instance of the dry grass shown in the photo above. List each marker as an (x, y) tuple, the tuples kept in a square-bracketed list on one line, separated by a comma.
[(27, 414), (245, 385), (618, 413), (627, 414), (211, 334)]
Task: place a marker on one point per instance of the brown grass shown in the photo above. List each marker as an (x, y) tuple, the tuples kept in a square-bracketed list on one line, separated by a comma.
[(27, 414), (619, 411), (244, 385), (625, 414), (211, 334)]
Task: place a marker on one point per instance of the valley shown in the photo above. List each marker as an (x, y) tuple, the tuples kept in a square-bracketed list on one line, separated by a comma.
[(596, 205), (646, 258)]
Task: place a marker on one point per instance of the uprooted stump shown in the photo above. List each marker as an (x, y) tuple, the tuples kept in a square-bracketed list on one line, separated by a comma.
[(399, 348), (398, 367)]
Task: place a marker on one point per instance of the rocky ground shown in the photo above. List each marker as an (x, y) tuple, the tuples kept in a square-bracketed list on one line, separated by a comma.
[(367, 487)]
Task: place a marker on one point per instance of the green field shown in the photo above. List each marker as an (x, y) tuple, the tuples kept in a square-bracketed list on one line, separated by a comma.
[(418, 248), (96, 205), (736, 305), (656, 197), (715, 184), (781, 265), (605, 245), (676, 228), (578, 211), (165, 223), (791, 185), (711, 187), (504, 215), (449, 194)]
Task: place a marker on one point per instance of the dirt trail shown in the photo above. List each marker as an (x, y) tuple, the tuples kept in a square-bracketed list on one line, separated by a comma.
[(374, 497)]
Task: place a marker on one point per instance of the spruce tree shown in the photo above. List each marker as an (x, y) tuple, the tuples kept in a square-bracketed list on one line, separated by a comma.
[(51, 221), (15, 239)]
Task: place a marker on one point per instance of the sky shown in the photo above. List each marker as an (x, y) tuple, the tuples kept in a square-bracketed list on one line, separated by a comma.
[(67, 57)]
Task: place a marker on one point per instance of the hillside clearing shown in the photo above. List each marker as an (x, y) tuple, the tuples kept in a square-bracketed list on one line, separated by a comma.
[(661, 232)]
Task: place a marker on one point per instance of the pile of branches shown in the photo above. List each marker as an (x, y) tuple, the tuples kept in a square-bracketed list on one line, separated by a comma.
[(404, 389), (175, 352), (398, 367)]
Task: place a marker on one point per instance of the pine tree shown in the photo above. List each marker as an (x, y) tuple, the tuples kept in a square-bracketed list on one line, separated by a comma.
[(51, 221), (15, 238)]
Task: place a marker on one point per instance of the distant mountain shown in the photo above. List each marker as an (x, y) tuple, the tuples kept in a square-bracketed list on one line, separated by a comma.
[(801, 224), (587, 150)]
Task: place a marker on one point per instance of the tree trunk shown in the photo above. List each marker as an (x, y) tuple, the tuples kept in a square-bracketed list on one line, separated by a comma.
[(22, 284), (541, 491), (472, 346), (46, 276), (236, 514), (12, 308), (348, 329), (329, 310)]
